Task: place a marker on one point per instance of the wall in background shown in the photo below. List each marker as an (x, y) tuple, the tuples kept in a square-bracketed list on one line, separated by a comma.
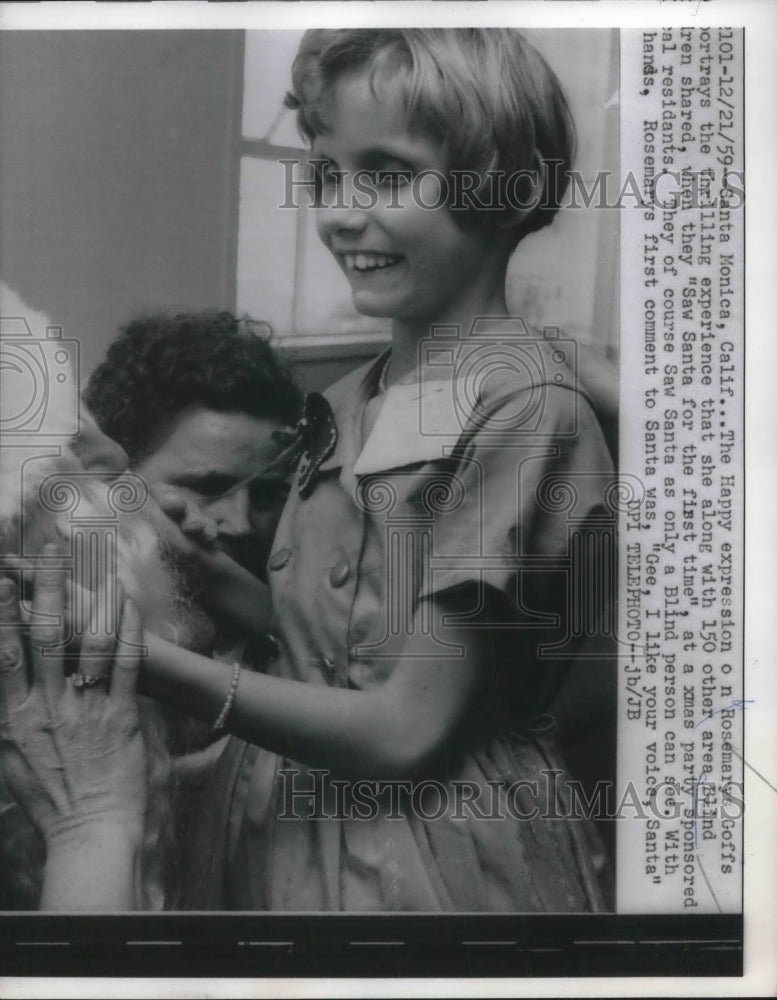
[(119, 186), (118, 174)]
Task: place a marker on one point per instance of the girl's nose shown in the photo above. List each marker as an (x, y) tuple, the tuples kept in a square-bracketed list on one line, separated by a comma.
[(341, 210)]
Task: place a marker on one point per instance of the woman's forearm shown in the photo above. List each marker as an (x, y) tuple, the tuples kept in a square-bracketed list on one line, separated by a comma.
[(342, 730), (95, 869)]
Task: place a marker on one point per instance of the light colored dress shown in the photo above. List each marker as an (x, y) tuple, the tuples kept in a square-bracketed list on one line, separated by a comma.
[(449, 490)]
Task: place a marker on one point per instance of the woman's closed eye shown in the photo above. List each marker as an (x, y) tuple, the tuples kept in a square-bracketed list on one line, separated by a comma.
[(211, 486)]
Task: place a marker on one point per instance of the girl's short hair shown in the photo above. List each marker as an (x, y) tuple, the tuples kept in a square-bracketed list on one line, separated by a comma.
[(485, 94)]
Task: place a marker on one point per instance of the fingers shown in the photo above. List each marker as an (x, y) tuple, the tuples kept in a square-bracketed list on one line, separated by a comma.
[(200, 527), (126, 667), (98, 644), (79, 603), (14, 686), (171, 502), (47, 625)]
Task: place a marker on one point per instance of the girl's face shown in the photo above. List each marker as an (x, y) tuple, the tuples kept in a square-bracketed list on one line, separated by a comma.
[(403, 260)]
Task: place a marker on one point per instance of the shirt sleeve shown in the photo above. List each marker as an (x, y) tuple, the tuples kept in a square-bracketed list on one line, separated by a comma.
[(528, 528)]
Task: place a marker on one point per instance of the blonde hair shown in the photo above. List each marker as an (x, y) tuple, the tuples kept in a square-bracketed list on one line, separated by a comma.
[(485, 94)]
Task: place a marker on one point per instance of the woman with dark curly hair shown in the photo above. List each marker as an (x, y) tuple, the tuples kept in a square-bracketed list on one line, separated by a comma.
[(196, 401)]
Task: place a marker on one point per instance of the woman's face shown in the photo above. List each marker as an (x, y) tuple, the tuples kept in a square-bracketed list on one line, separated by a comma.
[(217, 461)]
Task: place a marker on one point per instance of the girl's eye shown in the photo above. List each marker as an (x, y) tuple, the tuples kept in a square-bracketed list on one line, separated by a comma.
[(394, 177), (325, 174), (330, 176)]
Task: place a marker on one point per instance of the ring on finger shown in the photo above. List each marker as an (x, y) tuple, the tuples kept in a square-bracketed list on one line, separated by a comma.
[(83, 681)]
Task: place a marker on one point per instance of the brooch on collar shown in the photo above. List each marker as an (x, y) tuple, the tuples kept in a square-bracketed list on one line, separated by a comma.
[(311, 443), (318, 436)]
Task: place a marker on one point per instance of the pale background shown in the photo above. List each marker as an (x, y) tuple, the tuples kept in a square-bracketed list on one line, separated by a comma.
[(129, 182)]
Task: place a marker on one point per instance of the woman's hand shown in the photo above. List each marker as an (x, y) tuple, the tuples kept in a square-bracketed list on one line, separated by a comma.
[(231, 594), (71, 749)]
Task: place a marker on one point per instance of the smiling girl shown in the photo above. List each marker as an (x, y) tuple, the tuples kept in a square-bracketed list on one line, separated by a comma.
[(423, 574)]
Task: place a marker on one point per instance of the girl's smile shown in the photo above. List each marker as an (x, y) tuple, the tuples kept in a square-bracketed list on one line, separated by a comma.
[(366, 262)]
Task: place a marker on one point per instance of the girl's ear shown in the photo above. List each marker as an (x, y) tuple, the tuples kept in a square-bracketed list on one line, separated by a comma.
[(522, 193)]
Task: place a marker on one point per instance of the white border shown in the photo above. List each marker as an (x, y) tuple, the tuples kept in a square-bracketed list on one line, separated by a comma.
[(759, 18)]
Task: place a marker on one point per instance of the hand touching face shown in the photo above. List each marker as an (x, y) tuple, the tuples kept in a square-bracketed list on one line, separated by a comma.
[(214, 461)]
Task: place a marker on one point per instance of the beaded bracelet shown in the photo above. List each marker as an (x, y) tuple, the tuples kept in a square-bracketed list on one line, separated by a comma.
[(218, 725)]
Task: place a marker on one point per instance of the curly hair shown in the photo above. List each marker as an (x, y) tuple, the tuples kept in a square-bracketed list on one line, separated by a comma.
[(161, 364)]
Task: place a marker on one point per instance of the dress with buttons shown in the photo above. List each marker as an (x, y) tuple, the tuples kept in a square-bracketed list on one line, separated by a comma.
[(329, 578)]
